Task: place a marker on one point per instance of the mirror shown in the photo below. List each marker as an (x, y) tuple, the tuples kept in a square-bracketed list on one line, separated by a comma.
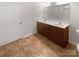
[(56, 11)]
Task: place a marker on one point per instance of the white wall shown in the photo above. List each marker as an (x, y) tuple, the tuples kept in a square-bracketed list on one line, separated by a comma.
[(74, 22)]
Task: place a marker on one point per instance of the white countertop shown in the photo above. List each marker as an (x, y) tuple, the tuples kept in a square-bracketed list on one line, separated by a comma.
[(56, 23)]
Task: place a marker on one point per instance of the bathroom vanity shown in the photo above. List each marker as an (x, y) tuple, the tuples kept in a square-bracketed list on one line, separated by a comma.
[(54, 31)]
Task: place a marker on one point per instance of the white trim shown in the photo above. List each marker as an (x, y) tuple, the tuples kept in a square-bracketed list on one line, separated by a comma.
[(72, 42), (28, 35)]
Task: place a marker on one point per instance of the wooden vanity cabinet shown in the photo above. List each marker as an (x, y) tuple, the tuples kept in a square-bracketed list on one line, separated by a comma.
[(53, 33)]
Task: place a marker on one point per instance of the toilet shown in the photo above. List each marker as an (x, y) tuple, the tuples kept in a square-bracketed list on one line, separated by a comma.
[(77, 49), (77, 45)]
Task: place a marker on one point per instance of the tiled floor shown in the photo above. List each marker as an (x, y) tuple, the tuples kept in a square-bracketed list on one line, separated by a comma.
[(36, 45)]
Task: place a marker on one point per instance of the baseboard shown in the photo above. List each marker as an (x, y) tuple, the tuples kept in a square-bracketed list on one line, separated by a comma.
[(72, 42), (17, 39), (28, 35)]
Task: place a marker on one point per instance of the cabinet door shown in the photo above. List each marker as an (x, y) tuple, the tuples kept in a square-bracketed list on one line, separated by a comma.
[(59, 36), (66, 35), (46, 31), (43, 29), (56, 35), (40, 28)]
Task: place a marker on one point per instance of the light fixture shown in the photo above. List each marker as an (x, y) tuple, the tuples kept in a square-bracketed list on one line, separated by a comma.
[(60, 3), (46, 4)]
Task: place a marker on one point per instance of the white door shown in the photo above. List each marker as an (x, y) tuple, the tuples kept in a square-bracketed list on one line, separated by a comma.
[(10, 22)]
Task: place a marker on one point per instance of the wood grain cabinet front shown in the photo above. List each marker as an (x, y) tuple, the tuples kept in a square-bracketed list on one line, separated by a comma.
[(43, 29), (55, 34), (59, 36)]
